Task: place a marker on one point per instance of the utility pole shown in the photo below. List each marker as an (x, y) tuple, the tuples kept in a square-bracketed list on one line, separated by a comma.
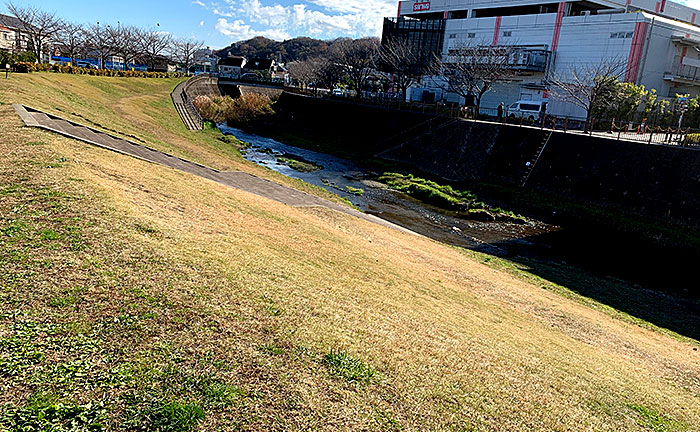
[(683, 104), (99, 35)]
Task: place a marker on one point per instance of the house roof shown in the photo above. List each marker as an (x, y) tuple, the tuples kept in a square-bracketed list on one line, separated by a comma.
[(10, 22), (232, 61), (2, 28), (259, 64)]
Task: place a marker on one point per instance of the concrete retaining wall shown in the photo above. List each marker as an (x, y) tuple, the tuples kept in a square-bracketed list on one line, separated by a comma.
[(659, 181)]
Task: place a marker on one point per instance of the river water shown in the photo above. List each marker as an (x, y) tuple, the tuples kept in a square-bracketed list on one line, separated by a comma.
[(338, 175)]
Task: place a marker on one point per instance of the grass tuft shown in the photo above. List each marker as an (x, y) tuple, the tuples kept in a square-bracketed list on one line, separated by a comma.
[(654, 421), (342, 364), (176, 417)]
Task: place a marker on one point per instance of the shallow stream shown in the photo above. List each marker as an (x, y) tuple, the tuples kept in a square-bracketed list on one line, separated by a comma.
[(346, 178)]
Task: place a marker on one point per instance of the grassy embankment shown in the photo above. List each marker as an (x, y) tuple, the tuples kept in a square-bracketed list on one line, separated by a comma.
[(133, 295)]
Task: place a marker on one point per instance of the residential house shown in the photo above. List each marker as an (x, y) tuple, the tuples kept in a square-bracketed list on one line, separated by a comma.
[(231, 67), (12, 38)]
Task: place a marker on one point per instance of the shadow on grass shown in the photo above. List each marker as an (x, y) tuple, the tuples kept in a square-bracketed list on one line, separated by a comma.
[(653, 284)]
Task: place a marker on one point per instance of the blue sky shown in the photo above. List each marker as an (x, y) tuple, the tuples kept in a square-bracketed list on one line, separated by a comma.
[(220, 22)]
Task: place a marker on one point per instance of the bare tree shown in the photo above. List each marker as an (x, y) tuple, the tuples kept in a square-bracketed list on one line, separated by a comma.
[(471, 70), (405, 62), (357, 58), (124, 41), (154, 44), (589, 86), (328, 73), (98, 42), (302, 71), (39, 26), (184, 51), (70, 39)]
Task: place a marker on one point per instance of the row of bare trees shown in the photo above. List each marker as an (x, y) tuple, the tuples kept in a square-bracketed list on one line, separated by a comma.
[(45, 33), (469, 71), (350, 61)]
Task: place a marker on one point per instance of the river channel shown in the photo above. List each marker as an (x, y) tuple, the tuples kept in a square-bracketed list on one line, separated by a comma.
[(346, 179)]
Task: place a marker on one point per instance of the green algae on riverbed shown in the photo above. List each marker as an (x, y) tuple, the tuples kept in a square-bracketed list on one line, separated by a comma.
[(298, 165), (444, 196)]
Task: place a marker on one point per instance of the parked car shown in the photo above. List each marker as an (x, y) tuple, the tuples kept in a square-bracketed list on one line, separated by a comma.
[(250, 77), (527, 109), (84, 64)]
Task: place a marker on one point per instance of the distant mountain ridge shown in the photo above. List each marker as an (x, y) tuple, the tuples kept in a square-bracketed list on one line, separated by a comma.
[(299, 48)]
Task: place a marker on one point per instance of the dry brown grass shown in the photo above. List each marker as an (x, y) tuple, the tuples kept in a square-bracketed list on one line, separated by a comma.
[(139, 109), (218, 284)]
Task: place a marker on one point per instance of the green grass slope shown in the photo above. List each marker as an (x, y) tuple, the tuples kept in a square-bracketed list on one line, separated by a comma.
[(137, 297)]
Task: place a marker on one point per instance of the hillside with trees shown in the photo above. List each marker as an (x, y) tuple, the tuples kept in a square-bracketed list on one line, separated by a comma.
[(299, 48)]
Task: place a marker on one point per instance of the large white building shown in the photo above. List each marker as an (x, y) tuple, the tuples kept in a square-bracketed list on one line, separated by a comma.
[(659, 40)]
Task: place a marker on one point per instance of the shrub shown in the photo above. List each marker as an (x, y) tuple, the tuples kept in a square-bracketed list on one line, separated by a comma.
[(692, 139), (23, 67), (250, 107), (7, 57), (30, 66), (240, 110)]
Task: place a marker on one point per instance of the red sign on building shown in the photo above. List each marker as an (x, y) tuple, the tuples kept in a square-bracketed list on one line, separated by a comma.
[(422, 6)]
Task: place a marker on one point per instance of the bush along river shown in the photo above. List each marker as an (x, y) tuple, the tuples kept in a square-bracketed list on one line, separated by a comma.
[(436, 211)]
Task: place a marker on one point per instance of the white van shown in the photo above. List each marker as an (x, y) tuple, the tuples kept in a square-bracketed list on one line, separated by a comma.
[(527, 109)]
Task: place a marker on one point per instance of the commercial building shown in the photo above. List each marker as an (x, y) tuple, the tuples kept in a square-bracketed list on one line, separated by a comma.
[(658, 40)]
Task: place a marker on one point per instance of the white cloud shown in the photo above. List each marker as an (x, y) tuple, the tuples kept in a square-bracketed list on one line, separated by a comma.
[(359, 7), (201, 23), (320, 18), (199, 3), (695, 4), (239, 30), (273, 16)]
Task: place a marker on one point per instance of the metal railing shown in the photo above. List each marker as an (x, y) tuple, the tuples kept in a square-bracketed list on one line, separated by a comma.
[(642, 132)]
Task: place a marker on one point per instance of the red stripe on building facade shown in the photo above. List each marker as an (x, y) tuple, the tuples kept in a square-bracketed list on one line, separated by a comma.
[(684, 51), (398, 11), (496, 30), (658, 6), (692, 20), (445, 15), (636, 50), (557, 30), (628, 2), (663, 5)]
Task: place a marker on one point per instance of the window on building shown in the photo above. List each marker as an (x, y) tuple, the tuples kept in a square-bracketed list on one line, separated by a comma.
[(453, 35), (621, 35), (507, 33), (471, 35)]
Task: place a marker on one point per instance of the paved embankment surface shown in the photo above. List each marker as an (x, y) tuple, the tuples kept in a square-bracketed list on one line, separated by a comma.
[(235, 179)]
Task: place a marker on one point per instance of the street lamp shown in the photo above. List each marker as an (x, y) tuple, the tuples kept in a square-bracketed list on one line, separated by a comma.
[(99, 35)]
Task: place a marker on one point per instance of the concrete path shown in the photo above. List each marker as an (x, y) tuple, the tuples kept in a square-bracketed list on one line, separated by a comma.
[(235, 179)]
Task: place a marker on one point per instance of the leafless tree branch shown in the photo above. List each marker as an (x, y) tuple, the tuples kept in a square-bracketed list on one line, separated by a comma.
[(39, 26)]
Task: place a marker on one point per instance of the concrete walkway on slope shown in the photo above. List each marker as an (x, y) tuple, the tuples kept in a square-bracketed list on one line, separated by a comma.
[(235, 179)]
